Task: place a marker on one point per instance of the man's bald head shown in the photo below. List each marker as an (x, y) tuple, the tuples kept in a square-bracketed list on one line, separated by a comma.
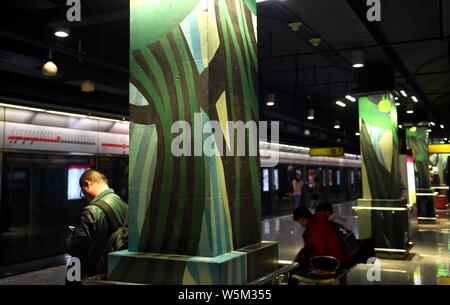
[(93, 183), (94, 176)]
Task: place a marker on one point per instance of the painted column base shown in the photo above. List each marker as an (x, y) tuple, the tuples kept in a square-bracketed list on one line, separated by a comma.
[(387, 220), (233, 268), (426, 205), (262, 259)]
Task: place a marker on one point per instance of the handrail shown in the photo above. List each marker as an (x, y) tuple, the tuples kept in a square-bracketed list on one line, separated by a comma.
[(269, 277)]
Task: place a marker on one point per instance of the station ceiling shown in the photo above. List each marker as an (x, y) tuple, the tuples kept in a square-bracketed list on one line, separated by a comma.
[(411, 41)]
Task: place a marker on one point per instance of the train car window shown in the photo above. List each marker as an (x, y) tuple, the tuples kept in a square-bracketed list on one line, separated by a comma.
[(265, 180), (311, 176), (275, 179)]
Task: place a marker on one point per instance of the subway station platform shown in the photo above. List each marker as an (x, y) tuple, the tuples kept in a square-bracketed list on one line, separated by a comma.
[(428, 262)]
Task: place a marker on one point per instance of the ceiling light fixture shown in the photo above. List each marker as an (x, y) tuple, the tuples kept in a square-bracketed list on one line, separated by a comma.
[(357, 134), (67, 114), (295, 26), (400, 126), (396, 98), (432, 124), (270, 100), (310, 114), (414, 99), (442, 126), (62, 33), (403, 93), (339, 103), (357, 59), (49, 68), (315, 42), (350, 98), (88, 86), (21, 107), (337, 124), (397, 104)]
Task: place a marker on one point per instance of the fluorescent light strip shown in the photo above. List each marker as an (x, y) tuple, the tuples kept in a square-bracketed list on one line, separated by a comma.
[(22, 107), (432, 124), (390, 250), (284, 262), (414, 99), (339, 103), (403, 93), (426, 218), (442, 126), (379, 208), (66, 114), (105, 119), (410, 111), (350, 98)]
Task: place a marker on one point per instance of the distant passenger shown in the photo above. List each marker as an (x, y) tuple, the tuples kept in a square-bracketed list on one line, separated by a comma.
[(316, 190), (297, 186), (88, 241)]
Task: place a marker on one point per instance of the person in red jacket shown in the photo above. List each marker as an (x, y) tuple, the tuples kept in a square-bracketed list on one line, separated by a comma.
[(320, 238)]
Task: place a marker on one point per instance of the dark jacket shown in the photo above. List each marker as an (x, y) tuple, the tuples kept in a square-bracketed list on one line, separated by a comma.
[(320, 238), (87, 241)]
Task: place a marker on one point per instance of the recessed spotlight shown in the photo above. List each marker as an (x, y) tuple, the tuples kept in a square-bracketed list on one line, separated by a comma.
[(442, 126), (295, 26), (357, 59), (337, 124), (63, 33), (357, 134), (315, 42), (396, 98)]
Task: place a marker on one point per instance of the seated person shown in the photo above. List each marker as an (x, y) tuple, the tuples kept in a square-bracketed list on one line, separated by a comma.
[(327, 208), (320, 238), (366, 247)]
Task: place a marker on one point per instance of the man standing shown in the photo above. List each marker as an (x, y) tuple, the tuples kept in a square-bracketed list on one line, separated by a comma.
[(88, 240)]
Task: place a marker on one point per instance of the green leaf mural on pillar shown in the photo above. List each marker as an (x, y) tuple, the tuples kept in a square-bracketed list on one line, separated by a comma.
[(379, 147), (417, 141), (189, 57)]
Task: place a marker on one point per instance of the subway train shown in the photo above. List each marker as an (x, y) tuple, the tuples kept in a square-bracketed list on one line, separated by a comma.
[(340, 177), (43, 153)]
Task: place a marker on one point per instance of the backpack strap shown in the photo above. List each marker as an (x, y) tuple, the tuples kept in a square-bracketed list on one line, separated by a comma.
[(111, 218)]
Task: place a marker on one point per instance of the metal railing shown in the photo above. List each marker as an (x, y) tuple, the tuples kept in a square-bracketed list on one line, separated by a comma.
[(274, 276)]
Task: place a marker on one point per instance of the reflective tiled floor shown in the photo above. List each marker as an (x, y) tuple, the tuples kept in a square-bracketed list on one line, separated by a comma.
[(428, 263)]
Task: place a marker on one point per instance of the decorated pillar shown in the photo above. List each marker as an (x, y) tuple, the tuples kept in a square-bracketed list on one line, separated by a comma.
[(382, 213), (417, 141), (195, 217)]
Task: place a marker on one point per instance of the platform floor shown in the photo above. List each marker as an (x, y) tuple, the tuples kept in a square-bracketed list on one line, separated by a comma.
[(428, 264)]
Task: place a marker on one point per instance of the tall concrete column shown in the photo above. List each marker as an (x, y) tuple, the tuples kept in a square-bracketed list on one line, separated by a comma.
[(417, 141), (382, 213), (194, 218)]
